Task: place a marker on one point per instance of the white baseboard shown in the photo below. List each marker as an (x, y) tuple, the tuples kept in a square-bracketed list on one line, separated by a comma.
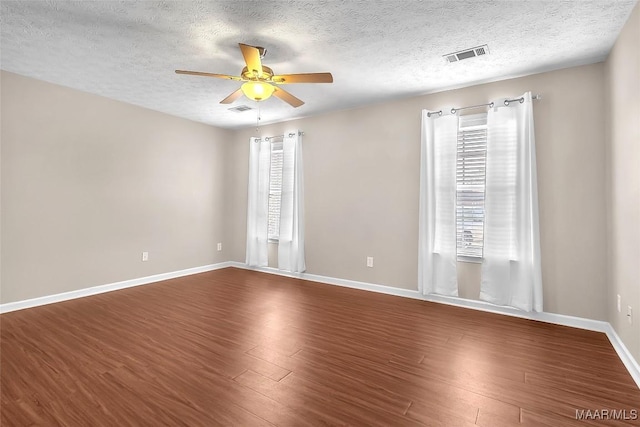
[(390, 290), (625, 355), (50, 299), (559, 319)]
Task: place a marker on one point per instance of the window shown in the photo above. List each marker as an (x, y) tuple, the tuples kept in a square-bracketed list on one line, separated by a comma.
[(275, 190), (470, 185)]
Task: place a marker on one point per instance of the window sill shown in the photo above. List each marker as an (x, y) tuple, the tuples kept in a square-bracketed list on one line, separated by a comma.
[(470, 259)]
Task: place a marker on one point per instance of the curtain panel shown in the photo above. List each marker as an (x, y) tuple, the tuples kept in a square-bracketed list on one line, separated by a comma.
[(291, 239), (437, 258), (511, 269), (258, 202)]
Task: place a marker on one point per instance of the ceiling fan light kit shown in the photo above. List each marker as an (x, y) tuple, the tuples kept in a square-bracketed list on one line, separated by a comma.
[(260, 82), (258, 91)]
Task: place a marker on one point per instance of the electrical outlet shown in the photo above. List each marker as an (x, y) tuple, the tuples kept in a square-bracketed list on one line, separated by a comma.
[(145, 256), (630, 315), (369, 261), (219, 246), (619, 305)]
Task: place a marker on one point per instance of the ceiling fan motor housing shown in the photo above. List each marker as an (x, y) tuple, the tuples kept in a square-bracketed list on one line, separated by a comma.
[(267, 74)]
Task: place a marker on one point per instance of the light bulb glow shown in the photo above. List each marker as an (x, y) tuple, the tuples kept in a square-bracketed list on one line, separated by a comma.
[(258, 91)]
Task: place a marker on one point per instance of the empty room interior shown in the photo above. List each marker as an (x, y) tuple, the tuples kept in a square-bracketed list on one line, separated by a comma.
[(305, 213)]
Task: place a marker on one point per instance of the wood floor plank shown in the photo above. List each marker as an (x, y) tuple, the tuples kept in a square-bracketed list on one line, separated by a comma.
[(491, 419), (377, 408), (239, 348), (433, 415), (316, 409)]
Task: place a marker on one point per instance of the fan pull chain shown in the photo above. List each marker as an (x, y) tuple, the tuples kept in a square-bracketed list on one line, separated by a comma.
[(258, 119)]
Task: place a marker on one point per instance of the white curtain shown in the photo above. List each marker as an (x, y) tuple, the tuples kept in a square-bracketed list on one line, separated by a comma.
[(437, 263), (291, 239), (511, 271), (258, 202)]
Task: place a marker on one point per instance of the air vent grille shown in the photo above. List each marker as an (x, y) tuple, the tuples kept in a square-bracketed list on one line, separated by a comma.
[(467, 53), (240, 108)]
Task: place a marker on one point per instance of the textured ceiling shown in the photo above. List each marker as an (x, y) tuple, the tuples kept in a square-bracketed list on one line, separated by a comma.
[(376, 50)]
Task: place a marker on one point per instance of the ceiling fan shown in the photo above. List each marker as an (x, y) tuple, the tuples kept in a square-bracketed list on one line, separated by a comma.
[(259, 79)]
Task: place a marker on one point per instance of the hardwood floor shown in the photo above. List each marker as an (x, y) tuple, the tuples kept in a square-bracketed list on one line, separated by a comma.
[(240, 348)]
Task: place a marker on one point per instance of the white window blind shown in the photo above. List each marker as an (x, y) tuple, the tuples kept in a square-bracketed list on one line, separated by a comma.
[(470, 183), (275, 190)]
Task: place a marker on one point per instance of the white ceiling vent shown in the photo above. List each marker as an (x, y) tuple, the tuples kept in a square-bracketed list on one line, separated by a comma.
[(467, 53), (240, 108)]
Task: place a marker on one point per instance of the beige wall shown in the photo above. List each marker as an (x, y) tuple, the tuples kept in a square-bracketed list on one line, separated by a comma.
[(623, 174), (89, 183), (362, 179)]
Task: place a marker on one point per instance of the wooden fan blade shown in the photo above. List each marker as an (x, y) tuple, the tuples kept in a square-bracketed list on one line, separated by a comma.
[(287, 97), (199, 73), (303, 78), (252, 58), (229, 99)]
